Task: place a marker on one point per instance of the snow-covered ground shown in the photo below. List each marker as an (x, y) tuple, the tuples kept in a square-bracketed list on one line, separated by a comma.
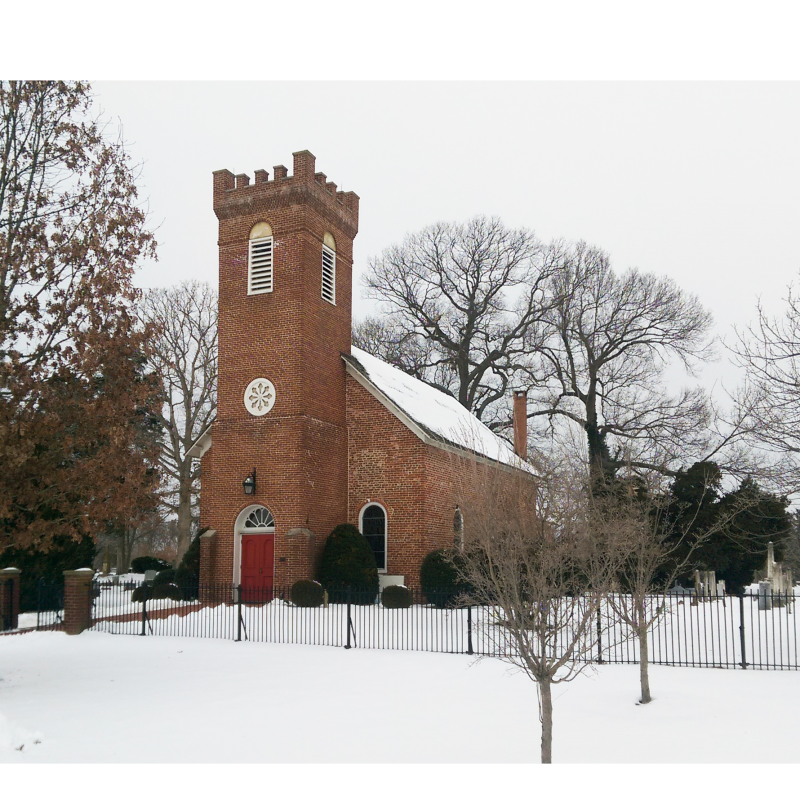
[(103, 698)]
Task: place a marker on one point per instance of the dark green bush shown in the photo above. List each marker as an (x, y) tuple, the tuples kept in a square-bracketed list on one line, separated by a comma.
[(167, 591), (187, 581), (396, 597), (187, 576), (347, 561), (157, 592), (165, 576), (307, 594), (144, 563), (191, 558), (439, 578)]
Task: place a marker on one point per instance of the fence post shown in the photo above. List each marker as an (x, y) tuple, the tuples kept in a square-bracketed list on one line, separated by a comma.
[(741, 628), (78, 585), (599, 636), (144, 609), (9, 598), (470, 651), (239, 613), (39, 585), (347, 646)]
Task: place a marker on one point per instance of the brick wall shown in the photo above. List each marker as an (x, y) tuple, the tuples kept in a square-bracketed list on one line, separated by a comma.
[(417, 483), (295, 339)]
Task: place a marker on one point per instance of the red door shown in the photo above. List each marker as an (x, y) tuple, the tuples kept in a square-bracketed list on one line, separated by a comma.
[(258, 565)]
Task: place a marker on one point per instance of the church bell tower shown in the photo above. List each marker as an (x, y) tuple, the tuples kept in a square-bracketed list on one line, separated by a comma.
[(274, 481)]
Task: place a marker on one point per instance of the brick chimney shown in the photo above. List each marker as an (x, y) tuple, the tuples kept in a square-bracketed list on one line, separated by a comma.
[(521, 423)]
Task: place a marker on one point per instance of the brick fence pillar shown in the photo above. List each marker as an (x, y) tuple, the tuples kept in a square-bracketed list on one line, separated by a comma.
[(9, 598), (77, 599)]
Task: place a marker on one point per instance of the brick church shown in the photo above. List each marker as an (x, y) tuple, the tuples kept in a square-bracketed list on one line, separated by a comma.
[(311, 432)]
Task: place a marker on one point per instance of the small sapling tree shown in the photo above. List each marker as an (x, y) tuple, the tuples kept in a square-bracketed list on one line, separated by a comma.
[(657, 538), (529, 558)]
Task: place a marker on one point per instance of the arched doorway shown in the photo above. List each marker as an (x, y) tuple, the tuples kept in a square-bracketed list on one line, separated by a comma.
[(255, 532)]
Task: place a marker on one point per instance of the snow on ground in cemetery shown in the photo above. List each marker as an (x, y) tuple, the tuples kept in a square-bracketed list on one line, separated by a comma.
[(109, 698)]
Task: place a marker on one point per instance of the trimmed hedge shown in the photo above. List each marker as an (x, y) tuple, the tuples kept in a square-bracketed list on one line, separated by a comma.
[(396, 597), (347, 561), (307, 594)]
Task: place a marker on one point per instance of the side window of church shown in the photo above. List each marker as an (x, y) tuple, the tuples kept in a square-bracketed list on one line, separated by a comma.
[(328, 274), (373, 527), (259, 266)]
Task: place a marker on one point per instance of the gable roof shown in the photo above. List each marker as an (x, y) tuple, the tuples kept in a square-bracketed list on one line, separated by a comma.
[(436, 417)]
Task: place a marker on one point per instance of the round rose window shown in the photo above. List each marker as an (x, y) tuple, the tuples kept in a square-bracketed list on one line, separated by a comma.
[(259, 397)]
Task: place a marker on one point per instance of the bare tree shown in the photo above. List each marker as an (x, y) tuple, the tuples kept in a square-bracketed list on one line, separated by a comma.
[(531, 561), (462, 304), (185, 358), (602, 367), (769, 352)]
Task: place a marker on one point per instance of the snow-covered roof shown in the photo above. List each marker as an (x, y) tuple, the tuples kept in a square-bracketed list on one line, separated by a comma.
[(437, 414)]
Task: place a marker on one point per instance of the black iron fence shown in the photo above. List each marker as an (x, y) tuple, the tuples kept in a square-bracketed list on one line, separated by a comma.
[(757, 631), (41, 605), (732, 631)]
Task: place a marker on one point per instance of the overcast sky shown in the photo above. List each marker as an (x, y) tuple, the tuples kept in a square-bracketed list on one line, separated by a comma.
[(698, 181)]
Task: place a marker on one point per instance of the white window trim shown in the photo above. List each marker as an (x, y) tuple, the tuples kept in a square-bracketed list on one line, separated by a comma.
[(270, 267), (332, 254), (385, 569)]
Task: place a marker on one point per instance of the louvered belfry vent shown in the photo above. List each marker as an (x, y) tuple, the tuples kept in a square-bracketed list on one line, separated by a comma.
[(259, 274), (328, 274)]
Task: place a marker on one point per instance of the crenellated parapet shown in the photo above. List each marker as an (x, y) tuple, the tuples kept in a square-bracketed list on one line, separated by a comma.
[(232, 192)]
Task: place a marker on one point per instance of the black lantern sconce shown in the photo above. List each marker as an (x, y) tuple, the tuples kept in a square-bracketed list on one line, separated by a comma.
[(249, 483)]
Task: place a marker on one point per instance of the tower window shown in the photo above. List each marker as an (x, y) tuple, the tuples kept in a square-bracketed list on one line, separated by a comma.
[(259, 261), (328, 274), (259, 274)]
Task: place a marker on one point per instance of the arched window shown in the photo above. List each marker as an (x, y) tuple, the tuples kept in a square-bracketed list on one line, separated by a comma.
[(259, 519), (373, 528)]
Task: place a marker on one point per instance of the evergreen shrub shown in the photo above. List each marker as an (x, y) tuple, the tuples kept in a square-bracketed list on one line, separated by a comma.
[(187, 580), (396, 597), (157, 591), (167, 591), (191, 558), (347, 561), (439, 578), (144, 563), (307, 594), (187, 576), (165, 576)]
